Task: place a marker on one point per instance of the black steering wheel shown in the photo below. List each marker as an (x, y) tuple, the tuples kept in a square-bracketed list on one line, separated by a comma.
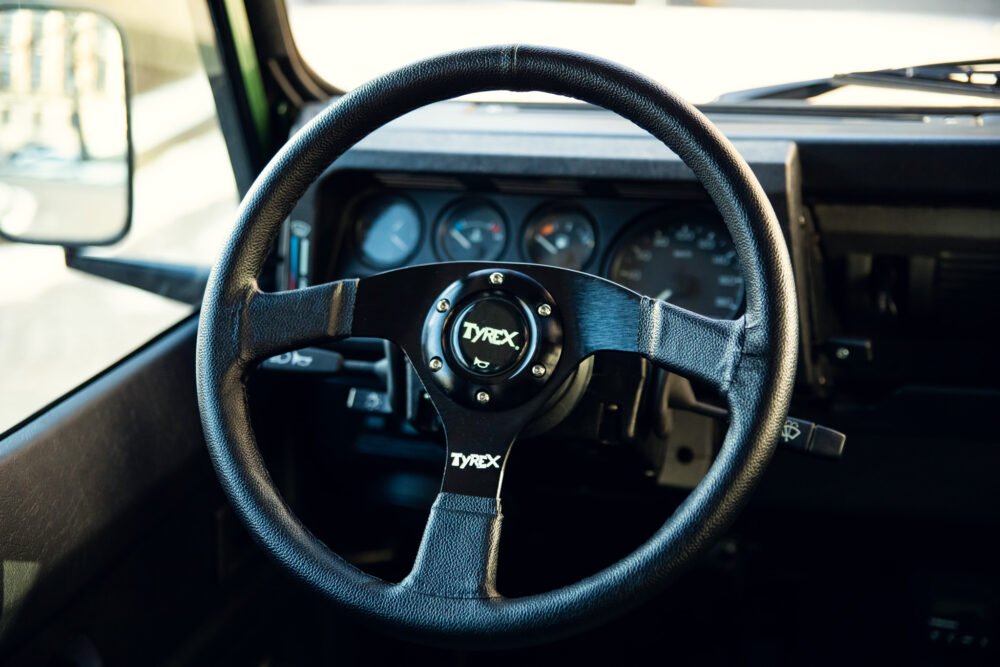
[(491, 344)]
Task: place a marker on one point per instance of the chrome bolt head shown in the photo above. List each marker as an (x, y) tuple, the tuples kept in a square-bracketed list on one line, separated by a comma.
[(538, 370), (544, 310), (496, 278), (435, 364), (443, 305), (482, 397)]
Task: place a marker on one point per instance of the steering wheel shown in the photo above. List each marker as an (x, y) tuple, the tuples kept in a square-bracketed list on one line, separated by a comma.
[(491, 344)]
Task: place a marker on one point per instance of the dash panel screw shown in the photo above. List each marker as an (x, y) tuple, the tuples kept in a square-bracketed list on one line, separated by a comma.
[(496, 278), (538, 370), (483, 397), (544, 310), (443, 305), (435, 364)]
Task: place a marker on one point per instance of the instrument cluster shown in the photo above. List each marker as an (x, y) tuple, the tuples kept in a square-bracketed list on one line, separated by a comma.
[(678, 252)]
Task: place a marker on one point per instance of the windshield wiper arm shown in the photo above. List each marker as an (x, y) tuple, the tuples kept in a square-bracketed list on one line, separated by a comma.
[(980, 78), (971, 77)]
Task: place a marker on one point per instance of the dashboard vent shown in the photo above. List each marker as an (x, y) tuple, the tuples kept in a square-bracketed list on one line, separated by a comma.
[(657, 190), (420, 181), (539, 186), (968, 281)]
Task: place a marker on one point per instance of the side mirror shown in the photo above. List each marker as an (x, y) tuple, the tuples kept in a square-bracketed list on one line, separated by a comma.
[(65, 150)]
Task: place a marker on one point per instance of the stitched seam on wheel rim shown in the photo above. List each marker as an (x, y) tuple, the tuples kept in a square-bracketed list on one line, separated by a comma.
[(741, 353), (242, 326), (340, 319)]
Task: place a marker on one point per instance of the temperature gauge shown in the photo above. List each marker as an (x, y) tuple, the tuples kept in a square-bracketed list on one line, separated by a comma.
[(470, 231)]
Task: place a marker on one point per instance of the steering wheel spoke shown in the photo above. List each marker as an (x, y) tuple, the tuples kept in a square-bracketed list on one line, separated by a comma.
[(690, 344), (279, 321), (458, 553), (610, 317)]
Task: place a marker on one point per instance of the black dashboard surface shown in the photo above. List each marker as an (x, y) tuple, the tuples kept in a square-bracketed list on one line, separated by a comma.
[(883, 155)]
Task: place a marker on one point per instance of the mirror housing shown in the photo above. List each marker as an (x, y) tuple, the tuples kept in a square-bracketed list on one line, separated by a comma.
[(66, 159)]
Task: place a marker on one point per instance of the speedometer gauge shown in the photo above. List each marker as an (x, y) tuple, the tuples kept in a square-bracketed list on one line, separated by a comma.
[(687, 259)]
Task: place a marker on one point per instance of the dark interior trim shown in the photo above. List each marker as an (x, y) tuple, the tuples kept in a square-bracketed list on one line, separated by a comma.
[(93, 473)]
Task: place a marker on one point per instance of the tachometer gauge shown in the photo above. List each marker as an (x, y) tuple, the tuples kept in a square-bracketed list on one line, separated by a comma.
[(471, 230), (560, 237), (687, 259), (387, 231)]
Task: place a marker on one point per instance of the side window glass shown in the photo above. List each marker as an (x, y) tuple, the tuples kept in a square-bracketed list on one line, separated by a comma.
[(64, 175)]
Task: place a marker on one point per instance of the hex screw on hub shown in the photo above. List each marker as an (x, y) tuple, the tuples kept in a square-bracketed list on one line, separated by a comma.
[(545, 310), (496, 278), (435, 364), (443, 305), (538, 370), (483, 397)]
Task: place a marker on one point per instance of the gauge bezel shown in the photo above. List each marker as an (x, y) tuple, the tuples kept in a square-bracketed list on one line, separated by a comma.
[(359, 207), (553, 207), (652, 217), (443, 219)]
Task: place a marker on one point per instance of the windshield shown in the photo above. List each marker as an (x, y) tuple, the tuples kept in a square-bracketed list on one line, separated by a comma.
[(699, 52)]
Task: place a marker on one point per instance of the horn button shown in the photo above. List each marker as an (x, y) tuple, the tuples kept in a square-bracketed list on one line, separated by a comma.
[(493, 339), (489, 336)]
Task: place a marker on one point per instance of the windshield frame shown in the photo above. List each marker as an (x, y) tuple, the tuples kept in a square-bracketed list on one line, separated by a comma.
[(287, 73)]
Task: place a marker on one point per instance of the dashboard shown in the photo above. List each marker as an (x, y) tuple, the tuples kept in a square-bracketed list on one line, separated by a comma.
[(892, 225), (889, 221)]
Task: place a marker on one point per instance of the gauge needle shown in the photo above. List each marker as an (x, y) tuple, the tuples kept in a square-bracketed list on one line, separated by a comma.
[(665, 294), (462, 241), (545, 243), (398, 242)]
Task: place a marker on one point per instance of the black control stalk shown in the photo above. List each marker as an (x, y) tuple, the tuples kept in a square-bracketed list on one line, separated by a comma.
[(797, 434)]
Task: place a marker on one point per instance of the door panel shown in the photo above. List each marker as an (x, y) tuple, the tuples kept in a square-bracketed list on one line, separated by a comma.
[(95, 473)]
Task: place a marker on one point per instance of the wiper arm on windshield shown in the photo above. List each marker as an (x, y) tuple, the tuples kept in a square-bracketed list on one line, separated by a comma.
[(980, 78)]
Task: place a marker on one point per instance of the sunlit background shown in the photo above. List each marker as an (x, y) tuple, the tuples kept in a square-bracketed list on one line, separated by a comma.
[(699, 49)]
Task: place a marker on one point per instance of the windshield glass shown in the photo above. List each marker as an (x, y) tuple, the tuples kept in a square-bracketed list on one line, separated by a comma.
[(700, 52)]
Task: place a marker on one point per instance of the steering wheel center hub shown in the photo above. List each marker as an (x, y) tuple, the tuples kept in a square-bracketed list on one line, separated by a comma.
[(497, 341), (490, 336)]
